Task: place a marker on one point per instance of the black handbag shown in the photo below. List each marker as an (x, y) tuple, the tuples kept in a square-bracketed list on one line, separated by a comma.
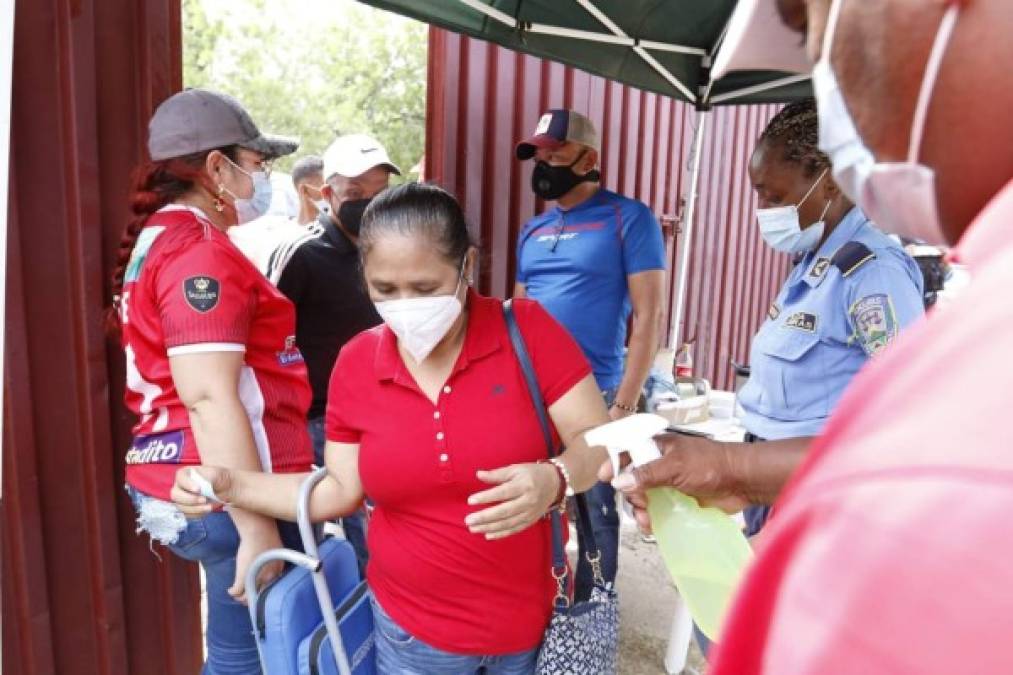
[(581, 638)]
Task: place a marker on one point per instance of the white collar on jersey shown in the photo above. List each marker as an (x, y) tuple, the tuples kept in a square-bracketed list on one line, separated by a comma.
[(185, 207)]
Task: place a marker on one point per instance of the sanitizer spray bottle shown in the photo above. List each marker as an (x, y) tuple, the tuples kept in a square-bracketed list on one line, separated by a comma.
[(703, 548)]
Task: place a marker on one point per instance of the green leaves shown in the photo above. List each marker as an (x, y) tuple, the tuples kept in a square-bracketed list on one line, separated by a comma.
[(314, 69)]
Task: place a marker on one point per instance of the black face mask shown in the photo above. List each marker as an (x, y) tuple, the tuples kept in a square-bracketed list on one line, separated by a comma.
[(350, 214), (552, 182)]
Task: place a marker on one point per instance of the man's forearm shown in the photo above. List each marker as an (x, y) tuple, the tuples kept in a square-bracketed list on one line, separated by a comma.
[(761, 470), (643, 347)]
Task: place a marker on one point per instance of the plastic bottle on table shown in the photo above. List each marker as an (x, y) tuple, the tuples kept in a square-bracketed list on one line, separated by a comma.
[(684, 363)]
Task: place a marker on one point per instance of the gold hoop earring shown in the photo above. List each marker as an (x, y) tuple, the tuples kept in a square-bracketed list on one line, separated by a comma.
[(219, 203)]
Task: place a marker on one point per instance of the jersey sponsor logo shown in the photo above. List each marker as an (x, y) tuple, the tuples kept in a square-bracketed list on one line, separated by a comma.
[(291, 353), (774, 311), (802, 321), (875, 322), (202, 293), (819, 268), (553, 234), (550, 231), (164, 448)]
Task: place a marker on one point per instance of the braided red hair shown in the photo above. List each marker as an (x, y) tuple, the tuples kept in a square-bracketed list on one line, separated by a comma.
[(153, 186)]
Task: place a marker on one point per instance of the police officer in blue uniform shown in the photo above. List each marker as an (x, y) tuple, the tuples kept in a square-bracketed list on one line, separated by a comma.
[(851, 291)]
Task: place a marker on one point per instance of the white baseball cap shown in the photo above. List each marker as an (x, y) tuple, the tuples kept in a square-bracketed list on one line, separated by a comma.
[(758, 40), (354, 155)]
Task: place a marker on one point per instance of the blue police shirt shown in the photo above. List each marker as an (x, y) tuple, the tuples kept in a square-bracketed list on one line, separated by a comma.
[(822, 328), (575, 263)]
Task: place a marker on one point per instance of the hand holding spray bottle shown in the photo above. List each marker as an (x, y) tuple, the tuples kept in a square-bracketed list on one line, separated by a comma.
[(703, 548)]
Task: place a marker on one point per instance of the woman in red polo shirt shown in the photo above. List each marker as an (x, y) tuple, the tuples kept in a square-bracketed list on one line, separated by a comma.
[(429, 415), (212, 374)]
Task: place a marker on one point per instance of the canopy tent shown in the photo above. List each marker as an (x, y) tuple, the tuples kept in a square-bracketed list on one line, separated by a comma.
[(703, 52)]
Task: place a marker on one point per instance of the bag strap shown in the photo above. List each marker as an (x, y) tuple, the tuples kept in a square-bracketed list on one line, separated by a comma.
[(560, 570)]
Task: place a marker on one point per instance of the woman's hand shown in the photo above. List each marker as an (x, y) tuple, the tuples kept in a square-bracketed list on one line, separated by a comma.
[(186, 493), (698, 467), (523, 494), (256, 535)]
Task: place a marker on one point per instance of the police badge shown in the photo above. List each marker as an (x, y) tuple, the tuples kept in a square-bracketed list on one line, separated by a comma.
[(875, 322)]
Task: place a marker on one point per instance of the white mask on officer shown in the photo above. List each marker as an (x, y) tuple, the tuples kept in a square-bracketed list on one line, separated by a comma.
[(900, 197), (782, 231)]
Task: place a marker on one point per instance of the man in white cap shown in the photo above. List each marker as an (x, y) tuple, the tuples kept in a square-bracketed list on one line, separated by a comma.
[(595, 261), (322, 278)]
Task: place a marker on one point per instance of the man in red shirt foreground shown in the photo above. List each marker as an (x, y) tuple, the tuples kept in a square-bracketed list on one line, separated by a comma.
[(890, 548)]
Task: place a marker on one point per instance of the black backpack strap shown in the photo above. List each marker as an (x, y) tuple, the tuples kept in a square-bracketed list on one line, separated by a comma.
[(851, 256)]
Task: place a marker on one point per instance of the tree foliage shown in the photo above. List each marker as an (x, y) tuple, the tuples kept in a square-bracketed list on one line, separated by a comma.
[(315, 69)]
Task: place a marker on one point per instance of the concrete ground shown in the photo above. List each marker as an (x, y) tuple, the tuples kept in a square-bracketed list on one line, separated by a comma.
[(647, 599)]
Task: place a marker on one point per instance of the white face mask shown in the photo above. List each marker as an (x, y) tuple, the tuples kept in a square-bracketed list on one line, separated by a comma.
[(900, 197), (257, 205), (420, 324), (782, 231)]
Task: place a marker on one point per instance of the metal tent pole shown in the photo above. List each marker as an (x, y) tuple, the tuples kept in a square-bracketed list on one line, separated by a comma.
[(675, 334)]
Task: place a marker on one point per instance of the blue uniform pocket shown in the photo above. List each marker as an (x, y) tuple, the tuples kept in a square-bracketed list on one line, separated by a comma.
[(793, 375)]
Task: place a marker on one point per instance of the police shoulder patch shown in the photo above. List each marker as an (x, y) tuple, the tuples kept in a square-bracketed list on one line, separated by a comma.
[(201, 293), (875, 322), (802, 321)]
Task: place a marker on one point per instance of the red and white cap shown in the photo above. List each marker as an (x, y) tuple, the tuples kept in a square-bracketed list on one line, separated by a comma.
[(557, 127)]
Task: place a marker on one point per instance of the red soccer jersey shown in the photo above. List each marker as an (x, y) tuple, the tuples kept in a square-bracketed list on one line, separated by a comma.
[(188, 289), (890, 553), (417, 460)]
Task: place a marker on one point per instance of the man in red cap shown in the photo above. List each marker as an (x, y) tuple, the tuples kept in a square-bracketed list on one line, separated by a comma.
[(889, 551), (592, 261)]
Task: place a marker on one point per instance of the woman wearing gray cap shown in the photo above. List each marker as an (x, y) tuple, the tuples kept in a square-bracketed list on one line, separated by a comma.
[(212, 369)]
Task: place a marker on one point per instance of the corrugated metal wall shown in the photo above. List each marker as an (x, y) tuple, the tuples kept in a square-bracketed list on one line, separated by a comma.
[(483, 99), (81, 592)]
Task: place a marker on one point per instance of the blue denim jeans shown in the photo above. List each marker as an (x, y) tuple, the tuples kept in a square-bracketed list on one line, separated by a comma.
[(354, 525), (601, 503), (213, 541), (397, 651)]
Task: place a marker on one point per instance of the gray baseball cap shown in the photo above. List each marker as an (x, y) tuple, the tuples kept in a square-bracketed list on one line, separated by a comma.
[(196, 120)]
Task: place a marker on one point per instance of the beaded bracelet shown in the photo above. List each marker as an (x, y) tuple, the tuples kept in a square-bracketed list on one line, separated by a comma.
[(560, 499), (627, 408)]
